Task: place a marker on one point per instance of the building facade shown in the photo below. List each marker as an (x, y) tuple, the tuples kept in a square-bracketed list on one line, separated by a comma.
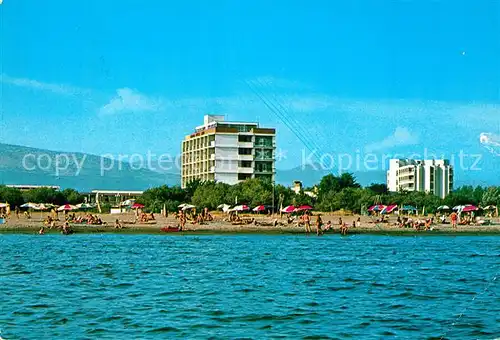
[(432, 176), (228, 152)]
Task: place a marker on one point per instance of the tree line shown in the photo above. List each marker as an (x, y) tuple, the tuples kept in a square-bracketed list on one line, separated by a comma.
[(333, 193)]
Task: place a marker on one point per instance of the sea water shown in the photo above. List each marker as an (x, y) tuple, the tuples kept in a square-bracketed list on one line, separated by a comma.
[(249, 286)]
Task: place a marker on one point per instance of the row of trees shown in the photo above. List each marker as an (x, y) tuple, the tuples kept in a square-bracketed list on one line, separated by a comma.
[(16, 197), (333, 193)]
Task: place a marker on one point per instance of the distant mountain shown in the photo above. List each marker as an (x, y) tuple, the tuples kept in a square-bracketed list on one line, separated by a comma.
[(18, 165), (32, 166)]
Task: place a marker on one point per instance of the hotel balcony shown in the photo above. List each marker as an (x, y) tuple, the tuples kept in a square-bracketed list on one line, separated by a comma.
[(245, 157), (245, 170), (245, 145)]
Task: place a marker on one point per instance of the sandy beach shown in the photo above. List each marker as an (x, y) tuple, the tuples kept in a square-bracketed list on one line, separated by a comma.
[(368, 226)]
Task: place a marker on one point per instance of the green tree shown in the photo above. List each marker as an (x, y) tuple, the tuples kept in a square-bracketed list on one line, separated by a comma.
[(327, 184), (210, 195), (252, 192), (45, 195), (13, 196), (71, 196), (347, 180), (379, 189), (155, 198), (491, 196)]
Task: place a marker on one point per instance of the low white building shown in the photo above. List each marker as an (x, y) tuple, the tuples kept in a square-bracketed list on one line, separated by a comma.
[(297, 189), (432, 176)]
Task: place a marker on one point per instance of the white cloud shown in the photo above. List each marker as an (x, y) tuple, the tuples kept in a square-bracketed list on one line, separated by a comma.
[(401, 136), (128, 100), (62, 89)]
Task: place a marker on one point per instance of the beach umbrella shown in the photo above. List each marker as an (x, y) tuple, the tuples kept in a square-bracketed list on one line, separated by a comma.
[(182, 205), (304, 207), (84, 206), (443, 207), (43, 207), (224, 207), (30, 205), (408, 208), (288, 209), (242, 207), (469, 208), (3, 205), (126, 203), (490, 207), (66, 207), (389, 209), (377, 207), (259, 208), (188, 207), (137, 206)]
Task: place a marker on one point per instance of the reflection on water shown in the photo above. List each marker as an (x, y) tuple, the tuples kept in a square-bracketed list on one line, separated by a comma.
[(143, 286)]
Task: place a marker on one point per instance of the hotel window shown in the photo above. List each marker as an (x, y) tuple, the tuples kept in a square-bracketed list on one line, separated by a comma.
[(245, 164), (264, 141), (244, 139), (244, 151)]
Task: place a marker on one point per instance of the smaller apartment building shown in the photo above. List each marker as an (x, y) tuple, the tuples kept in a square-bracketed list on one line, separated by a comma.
[(432, 176)]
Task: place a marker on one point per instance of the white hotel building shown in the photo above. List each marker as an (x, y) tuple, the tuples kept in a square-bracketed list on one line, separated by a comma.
[(432, 176), (228, 152)]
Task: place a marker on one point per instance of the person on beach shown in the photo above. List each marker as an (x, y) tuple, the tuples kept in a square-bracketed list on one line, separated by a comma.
[(17, 212), (340, 221), (307, 222), (41, 231), (358, 222), (319, 223), (344, 229), (66, 228), (118, 225), (454, 218), (182, 219), (328, 225)]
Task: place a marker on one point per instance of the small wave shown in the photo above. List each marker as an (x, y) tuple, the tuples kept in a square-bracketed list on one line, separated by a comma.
[(166, 329), (335, 289), (204, 325), (96, 331), (387, 333), (39, 306), (23, 313), (245, 290)]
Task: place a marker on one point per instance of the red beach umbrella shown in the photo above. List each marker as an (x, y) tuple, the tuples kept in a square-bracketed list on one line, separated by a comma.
[(137, 206), (66, 207), (468, 208), (259, 208), (242, 207), (304, 207), (288, 209)]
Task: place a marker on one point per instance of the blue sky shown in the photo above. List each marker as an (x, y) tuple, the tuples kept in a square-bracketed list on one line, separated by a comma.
[(132, 76)]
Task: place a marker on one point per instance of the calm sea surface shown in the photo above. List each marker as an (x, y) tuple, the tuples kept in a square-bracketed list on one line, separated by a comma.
[(249, 286)]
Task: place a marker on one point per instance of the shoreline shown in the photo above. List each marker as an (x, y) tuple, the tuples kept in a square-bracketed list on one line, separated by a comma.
[(247, 230)]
